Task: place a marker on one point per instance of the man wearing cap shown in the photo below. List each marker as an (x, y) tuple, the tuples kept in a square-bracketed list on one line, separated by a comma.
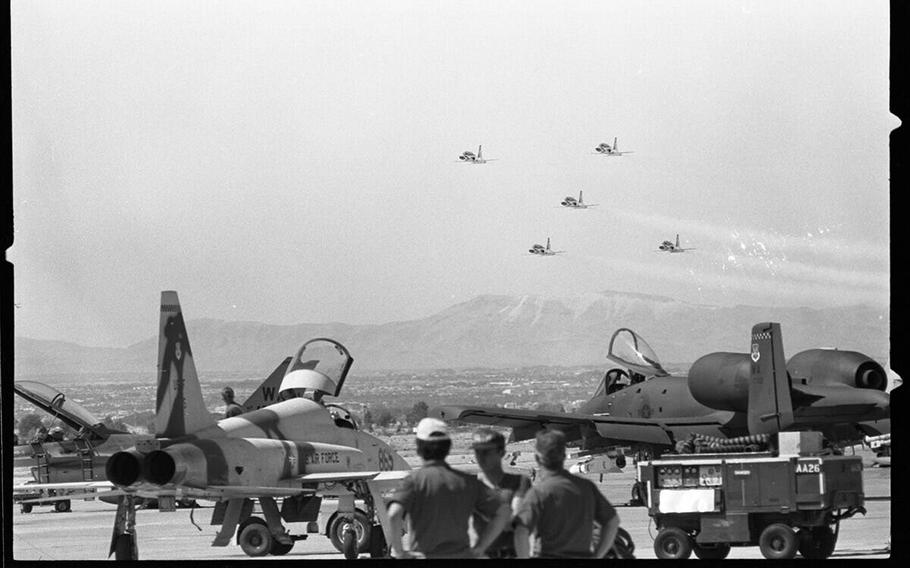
[(231, 408), (561, 508), (438, 501), (489, 450)]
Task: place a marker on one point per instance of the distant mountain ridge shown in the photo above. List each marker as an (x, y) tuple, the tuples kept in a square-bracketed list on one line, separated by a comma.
[(491, 331)]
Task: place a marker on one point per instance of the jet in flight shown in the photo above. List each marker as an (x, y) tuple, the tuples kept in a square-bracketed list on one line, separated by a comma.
[(295, 449), (539, 250), (605, 149), (469, 157), (669, 246), (725, 395), (572, 203)]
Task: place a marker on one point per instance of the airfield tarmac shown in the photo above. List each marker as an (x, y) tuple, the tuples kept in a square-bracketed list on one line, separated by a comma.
[(85, 532)]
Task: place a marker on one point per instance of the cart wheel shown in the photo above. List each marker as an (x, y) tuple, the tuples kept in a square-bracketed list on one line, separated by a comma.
[(672, 544), (717, 551), (778, 542), (279, 549), (254, 537), (817, 543), (62, 506), (26, 507)]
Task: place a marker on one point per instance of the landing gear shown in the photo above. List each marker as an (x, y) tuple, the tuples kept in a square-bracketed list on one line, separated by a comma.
[(358, 531), (26, 507)]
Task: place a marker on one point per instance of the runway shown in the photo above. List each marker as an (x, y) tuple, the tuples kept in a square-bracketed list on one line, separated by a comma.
[(85, 532)]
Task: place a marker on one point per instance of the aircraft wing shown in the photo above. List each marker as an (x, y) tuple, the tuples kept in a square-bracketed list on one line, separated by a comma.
[(526, 423)]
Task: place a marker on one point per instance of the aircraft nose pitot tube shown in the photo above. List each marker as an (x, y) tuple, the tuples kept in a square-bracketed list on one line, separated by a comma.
[(830, 366), (124, 468), (721, 381)]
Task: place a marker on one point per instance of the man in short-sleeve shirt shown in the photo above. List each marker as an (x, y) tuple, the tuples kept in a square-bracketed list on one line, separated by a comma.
[(438, 502), (562, 507)]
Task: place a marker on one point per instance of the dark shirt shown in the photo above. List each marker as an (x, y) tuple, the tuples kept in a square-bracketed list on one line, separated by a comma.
[(438, 501), (504, 545), (232, 409), (562, 508)]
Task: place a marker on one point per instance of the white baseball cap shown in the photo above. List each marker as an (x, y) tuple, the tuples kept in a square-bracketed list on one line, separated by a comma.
[(430, 429)]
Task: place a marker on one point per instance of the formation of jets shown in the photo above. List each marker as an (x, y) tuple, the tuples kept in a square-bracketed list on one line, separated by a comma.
[(604, 149)]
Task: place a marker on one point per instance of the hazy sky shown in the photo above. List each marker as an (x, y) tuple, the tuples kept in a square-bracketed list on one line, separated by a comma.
[(292, 162)]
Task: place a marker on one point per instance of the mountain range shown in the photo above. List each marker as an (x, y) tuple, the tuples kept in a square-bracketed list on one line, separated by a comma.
[(489, 331)]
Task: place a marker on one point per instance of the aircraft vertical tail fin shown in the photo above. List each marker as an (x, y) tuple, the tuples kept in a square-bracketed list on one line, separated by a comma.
[(580, 198), (615, 144), (548, 243), (480, 152), (770, 407), (677, 240), (267, 392), (180, 409)]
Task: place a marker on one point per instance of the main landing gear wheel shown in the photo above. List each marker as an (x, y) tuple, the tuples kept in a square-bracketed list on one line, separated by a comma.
[(62, 506), (817, 543), (254, 537), (362, 531), (672, 544), (713, 552), (778, 542), (26, 507)]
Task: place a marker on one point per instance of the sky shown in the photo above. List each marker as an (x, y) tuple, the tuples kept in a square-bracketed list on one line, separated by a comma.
[(290, 162)]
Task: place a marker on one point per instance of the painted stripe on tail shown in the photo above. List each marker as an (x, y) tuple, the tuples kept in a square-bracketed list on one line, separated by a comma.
[(180, 409)]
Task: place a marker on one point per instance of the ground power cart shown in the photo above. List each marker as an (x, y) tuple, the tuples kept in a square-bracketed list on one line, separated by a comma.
[(706, 503)]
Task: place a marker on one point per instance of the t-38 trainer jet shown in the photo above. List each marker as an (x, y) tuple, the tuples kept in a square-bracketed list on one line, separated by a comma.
[(669, 246), (725, 395), (469, 157), (572, 203), (539, 250), (294, 449), (605, 149)]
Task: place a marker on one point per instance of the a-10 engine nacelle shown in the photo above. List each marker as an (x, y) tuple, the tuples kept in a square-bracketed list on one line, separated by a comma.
[(721, 380)]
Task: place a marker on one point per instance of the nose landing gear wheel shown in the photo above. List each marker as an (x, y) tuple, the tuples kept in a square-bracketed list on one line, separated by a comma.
[(349, 543), (362, 531)]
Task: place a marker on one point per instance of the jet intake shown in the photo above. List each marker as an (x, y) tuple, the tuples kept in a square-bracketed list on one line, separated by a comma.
[(721, 381), (124, 468), (833, 367)]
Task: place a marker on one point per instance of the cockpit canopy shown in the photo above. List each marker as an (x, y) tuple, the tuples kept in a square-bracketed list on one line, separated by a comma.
[(320, 366), (54, 402), (628, 349)]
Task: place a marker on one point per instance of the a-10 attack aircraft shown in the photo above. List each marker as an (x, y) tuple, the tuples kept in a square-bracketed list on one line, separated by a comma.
[(669, 246), (295, 449), (571, 202), (469, 157), (605, 149), (725, 395), (539, 250), (76, 465)]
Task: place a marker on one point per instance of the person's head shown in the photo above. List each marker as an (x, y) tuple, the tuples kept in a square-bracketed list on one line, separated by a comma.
[(56, 433), (489, 449), (550, 449), (433, 442), (227, 394)]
